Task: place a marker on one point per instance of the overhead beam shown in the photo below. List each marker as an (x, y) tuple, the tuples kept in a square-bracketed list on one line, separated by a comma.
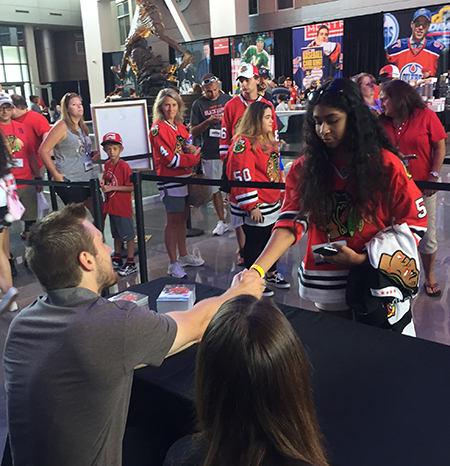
[(179, 20)]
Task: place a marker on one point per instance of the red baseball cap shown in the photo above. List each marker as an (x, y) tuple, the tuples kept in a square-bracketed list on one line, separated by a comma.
[(112, 137)]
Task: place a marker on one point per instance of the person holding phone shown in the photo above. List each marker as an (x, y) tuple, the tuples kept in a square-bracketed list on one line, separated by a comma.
[(347, 187)]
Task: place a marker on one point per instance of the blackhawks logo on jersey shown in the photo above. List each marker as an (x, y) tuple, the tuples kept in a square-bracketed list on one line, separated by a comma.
[(273, 168), (343, 221), (239, 146), (155, 130)]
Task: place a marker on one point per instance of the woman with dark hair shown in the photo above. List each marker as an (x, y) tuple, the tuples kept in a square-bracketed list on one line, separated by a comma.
[(366, 83), (71, 145), (347, 187), (254, 156), (416, 130), (7, 182), (173, 156), (258, 410)]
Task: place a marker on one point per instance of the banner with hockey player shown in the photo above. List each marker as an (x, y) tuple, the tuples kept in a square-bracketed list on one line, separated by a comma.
[(191, 74), (418, 40), (256, 49), (317, 52)]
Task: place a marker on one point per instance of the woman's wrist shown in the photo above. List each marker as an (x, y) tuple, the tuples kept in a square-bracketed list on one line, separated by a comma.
[(258, 269)]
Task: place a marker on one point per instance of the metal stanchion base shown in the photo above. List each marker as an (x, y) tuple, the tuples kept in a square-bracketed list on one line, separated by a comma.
[(191, 232)]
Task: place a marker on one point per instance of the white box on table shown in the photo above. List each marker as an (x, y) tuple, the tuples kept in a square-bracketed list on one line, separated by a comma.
[(176, 298)]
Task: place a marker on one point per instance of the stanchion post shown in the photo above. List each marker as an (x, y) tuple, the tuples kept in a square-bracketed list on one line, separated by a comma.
[(136, 178), (94, 185), (52, 193)]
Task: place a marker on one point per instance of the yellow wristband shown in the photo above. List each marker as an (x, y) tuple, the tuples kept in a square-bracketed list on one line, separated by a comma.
[(258, 269)]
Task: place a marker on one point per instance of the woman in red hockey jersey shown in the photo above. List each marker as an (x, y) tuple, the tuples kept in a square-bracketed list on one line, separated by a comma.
[(347, 187), (254, 156), (173, 156)]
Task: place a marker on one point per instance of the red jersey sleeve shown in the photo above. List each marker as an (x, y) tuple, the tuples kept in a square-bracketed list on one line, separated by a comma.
[(241, 167), (406, 198), (291, 204)]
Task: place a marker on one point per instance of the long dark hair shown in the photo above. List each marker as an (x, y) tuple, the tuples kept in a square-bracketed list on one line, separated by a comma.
[(365, 138), (254, 399), (6, 161), (404, 98)]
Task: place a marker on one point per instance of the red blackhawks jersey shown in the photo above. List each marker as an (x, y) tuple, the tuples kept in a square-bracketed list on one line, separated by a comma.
[(234, 109), (324, 282), (167, 145), (245, 164)]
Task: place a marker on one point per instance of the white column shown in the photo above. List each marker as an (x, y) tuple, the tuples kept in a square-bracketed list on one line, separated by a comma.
[(101, 34), (228, 17), (32, 60)]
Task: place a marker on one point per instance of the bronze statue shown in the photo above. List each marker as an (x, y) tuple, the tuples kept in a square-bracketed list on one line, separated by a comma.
[(149, 22)]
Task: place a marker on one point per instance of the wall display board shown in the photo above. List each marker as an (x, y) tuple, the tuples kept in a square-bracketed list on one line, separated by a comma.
[(130, 120), (201, 51), (256, 49), (317, 52), (418, 38)]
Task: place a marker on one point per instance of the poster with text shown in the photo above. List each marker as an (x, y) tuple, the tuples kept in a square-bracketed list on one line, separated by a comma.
[(187, 77), (256, 49), (418, 39), (317, 52)]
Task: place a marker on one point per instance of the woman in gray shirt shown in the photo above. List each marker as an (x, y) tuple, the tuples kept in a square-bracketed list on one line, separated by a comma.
[(71, 145)]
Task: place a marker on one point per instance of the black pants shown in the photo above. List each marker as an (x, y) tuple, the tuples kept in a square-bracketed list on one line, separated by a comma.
[(256, 239)]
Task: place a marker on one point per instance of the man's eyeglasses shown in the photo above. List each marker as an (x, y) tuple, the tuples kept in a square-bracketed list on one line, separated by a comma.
[(424, 24), (211, 80)]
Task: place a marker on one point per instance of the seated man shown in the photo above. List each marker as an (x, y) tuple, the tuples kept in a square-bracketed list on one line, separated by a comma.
[(69, 356)]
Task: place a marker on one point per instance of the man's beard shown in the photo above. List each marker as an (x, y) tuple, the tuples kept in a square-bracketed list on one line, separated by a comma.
[(106, 277)]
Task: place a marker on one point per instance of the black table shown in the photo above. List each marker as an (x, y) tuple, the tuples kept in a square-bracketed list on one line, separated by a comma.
[(382, 399)]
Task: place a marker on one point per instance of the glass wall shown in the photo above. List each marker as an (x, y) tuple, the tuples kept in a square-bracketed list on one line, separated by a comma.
[(14, 73)]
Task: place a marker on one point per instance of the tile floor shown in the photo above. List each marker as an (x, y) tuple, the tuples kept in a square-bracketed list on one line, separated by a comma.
[(431, 315)]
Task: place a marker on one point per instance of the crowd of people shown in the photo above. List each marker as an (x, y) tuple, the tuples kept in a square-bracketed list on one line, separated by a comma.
[(352, 192)]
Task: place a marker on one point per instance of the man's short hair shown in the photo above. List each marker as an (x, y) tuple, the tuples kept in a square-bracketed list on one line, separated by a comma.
[(19, 101), (54, 244), (281, 80)]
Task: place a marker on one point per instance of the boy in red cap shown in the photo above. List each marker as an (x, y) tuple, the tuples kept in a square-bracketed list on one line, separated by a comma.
[(117, 187)]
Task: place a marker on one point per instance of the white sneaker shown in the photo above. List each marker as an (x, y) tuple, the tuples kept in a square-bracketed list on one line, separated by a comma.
[(220, 229), (190, 261), (8, 298), (176, 270)]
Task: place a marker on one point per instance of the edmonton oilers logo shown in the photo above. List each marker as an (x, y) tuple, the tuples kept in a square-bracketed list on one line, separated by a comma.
[(391, 30), (411, 71)]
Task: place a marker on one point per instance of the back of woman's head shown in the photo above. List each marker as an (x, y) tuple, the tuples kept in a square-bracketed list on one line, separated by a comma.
[(404, 98), (252, 387), (251, 123)]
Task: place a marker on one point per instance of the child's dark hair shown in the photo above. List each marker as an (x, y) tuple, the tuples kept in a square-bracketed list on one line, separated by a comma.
[(282, 97), (365, 138)]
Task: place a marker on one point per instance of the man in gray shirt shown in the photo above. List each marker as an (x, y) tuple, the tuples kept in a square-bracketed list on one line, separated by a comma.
[(69, 356)]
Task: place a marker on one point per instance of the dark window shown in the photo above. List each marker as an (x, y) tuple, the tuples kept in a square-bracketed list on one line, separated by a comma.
[(285, 4), (252, 7)]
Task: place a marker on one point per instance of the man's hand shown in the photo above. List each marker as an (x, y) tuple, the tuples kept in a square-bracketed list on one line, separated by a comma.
[(248, 282), (214, 119), (346, 256)]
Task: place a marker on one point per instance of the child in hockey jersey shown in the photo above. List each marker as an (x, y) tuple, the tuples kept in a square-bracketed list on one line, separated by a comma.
[(117, 187), (254, 156)]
